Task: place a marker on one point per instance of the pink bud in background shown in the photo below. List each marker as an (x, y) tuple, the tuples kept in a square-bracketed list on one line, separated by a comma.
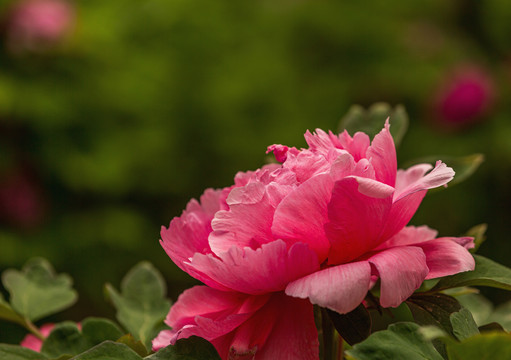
[(32, 342), (21, 201), (35, 25), (464, 97)]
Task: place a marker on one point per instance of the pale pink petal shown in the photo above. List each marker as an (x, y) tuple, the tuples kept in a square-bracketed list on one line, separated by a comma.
[(247, 223), (340, 288), (439, 176), (162, 340), (284, 329), (411, 175), (382, 155), (401, 270), (373, 188), (467, 242), (188, 234), (302, 214), (356, 221), (321, 142), (344, 165), (445, 256), (408, 236), (306, 164), (267, 269)]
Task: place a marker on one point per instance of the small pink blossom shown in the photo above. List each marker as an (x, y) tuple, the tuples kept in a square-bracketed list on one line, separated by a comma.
[(464, 97), (38, 24), (32, 342), (320, 228)]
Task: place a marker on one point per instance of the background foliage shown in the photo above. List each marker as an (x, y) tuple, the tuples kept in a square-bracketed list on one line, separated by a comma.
[(107, 133)]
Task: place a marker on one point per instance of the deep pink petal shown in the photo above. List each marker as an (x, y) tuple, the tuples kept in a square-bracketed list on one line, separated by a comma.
[(445, 256), (401, 270), (356, 145), (208, 313), (292, 334), (321, 142), (382, 155), (401, 213), (356, 221), (247, 223), (188, 234), (218, 305), (408, 236), (439, 176), (267, 269), (302, 214), (340, 288)]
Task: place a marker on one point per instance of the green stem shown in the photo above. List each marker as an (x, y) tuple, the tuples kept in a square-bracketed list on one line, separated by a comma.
[(33, 329), (328, 336)]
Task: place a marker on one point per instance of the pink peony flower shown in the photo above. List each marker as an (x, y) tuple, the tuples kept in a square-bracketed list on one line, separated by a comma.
[(464, 97), (319, 228), (37, 24), (32, 342)]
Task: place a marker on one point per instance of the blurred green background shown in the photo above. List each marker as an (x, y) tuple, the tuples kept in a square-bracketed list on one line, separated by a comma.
[(112, 122)]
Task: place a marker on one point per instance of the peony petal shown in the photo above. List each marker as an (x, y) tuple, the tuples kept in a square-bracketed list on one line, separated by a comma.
[(302, 214), (401, 270), (401, 213), (357, 145), (340, 288), (409, 235), (208, 313), (439, 176), (163, 339), (306, 164), (293, 334), (355, 221), (267, 269), (218, 305), (188, 234), (382, 155), (247, 223), (445, 256)]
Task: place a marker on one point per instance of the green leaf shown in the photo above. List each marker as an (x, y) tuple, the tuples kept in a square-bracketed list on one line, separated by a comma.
[(97, 330), (135, 345), (463, 166), (463, 324), (109, 350), (486, 346), (478, 232), (502, 315), (65, 339), (16, 352), (480, 307), (141, 306), (37, 291), (371, 121), (433, 309), (486, 273), (354, 326), (401, 341), (7, 312), (193, 348)]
